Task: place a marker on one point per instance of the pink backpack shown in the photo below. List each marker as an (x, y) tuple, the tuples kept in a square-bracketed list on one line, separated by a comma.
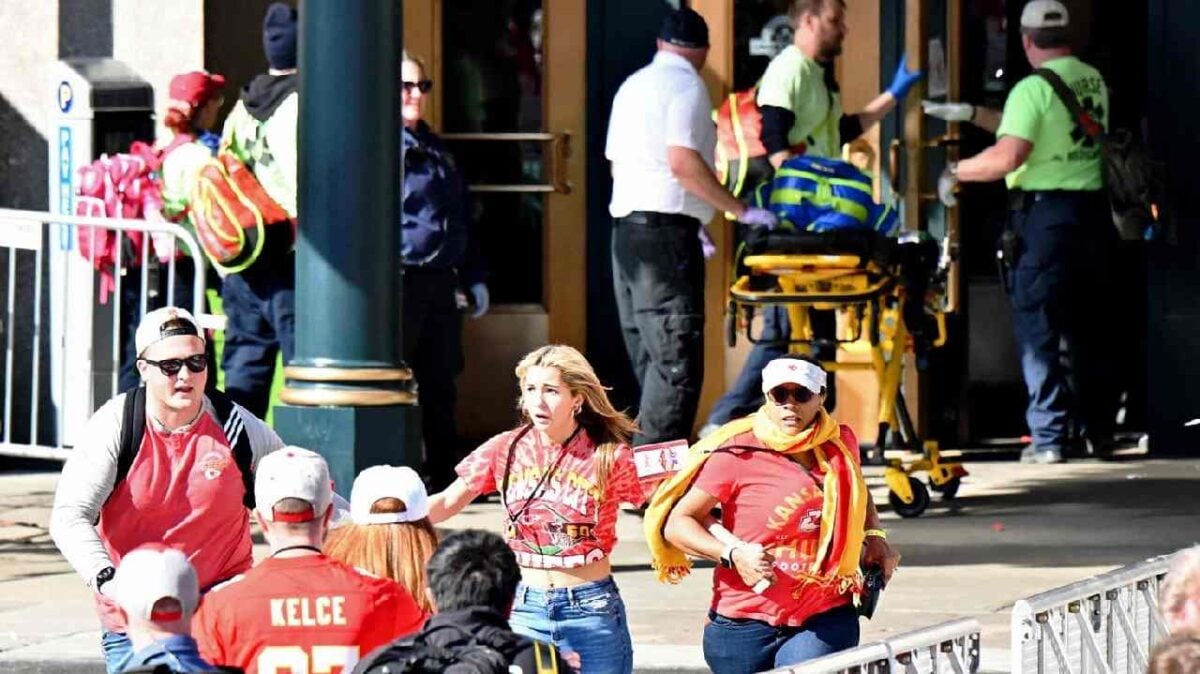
[(126, 186)]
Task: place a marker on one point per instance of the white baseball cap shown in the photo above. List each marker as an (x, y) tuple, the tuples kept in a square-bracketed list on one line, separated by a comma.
[(378, 482), (153, 572), (292, 472), (155, 326), (1044, 14), (793, 371)]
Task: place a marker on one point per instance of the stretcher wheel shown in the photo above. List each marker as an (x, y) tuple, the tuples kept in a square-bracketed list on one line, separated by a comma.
[(948, 490), (920, 500)]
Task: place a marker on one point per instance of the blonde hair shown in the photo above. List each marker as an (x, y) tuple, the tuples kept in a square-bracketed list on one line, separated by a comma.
[(1177, 654), (607, 426), (1182, 582), (396, 551), (406, 57)]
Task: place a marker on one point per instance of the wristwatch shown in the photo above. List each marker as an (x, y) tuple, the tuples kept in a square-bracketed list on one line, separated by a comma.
[(106, 574), (727, 556)]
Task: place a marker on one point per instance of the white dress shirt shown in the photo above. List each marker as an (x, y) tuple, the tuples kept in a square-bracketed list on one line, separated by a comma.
[(663, 104)]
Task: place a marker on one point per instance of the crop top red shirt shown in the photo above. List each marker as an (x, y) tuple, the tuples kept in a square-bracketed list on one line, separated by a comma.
[(556, 517)]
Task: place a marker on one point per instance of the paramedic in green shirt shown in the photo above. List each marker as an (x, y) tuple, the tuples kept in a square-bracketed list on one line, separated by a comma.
[(1065, 241), (798, 97), (801, 109)]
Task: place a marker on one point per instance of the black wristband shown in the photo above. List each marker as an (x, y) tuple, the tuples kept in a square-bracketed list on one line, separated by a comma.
[(726, 557), (106, 574)]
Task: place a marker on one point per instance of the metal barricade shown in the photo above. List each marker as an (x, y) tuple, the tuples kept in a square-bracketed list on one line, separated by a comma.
[(951, 647), (63, 347), (1107, 623)]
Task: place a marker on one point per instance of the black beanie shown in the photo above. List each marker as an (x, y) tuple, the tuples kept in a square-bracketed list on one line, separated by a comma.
[(279, 36)]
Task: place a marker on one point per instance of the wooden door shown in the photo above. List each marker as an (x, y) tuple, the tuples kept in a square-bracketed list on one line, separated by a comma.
[(509, 99)]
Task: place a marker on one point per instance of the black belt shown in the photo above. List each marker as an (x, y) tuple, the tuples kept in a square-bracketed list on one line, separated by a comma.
[(654, 218), (1023, 200), (425, 270)]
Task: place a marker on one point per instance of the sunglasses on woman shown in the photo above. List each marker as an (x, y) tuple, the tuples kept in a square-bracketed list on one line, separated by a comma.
[(783, 393), (424, 86), (171, 366)]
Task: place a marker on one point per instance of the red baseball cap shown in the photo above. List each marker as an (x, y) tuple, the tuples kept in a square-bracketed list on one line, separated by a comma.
[(195, 88)]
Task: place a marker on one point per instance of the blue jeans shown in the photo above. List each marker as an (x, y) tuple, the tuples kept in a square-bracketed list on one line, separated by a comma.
[(746, 395), (587, 619), (260, 304), (1059, 286), (733, 646), (117, 649)]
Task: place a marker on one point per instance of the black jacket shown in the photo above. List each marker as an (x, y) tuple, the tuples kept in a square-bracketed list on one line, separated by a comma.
[(455, 628)]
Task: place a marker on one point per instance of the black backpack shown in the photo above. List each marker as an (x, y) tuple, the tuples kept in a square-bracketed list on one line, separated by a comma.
[(481, 653), (133, 429), (1130, 175)]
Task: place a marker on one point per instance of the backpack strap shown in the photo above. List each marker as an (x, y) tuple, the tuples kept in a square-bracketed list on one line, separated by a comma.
[(1082, 117), (230, 419), (545, 658), (133, 429)]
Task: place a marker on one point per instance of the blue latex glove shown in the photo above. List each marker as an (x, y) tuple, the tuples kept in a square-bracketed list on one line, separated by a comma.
[(759, 218), (904, 79), (483, 299)]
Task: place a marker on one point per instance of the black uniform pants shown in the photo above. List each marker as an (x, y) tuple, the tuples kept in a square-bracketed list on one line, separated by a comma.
[(1061, 292), (432, 347), (658, 275)]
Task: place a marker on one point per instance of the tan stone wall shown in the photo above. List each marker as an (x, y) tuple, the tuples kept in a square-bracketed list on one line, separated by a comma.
[(29, 33), (159, 40)]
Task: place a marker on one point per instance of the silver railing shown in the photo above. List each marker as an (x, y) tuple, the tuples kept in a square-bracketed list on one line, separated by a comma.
[(1105, 624), (63, 348), (950, 647)]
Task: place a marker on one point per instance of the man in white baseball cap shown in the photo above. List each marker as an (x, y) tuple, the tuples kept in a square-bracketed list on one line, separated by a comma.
[(165, 462), (157, 590), (1062, 243), (298, 598)]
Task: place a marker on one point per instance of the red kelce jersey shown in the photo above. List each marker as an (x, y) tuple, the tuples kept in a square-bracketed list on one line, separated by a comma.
[(302, 615)]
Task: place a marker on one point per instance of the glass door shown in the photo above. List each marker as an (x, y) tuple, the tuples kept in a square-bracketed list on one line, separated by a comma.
[(497, 65)]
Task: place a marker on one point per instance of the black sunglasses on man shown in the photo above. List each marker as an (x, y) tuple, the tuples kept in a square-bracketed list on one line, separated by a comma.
[(171, 366)]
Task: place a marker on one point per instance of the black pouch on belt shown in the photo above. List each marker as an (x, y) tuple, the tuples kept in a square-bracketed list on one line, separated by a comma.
[(1008, 247)]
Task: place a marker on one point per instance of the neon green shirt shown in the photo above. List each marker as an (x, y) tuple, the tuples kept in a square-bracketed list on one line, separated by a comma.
[(796, 82), (1062, 157)]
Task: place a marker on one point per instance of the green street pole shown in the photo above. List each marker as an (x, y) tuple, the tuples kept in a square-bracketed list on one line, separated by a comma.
[(348, 396)]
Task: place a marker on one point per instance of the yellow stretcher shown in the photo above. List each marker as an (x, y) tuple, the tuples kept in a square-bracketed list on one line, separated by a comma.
[(867, 289)]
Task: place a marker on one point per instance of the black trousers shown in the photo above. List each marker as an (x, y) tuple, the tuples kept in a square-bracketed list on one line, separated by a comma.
[(1061, 291), (432, 347), (658, 276)]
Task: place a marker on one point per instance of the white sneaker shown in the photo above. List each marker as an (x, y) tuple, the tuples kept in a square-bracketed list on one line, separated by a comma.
[(707, 430)]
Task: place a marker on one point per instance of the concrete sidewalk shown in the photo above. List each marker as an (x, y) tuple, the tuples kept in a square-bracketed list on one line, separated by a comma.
[(1013, 531)]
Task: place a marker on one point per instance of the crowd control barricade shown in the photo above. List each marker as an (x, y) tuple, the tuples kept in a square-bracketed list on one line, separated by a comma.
[(1105, 624), (62, 343), (946, 648)]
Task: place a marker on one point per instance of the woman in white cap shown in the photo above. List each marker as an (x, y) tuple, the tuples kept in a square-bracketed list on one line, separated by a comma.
[(797, 523), (562, 475), (389, 533)]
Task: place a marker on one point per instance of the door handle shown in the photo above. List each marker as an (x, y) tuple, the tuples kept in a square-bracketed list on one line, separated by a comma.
[(560, 153), (894, 149), (556, 162), (946, 140)]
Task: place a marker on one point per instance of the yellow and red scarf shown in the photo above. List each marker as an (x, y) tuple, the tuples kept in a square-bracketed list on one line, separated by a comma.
[(842, 519)]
